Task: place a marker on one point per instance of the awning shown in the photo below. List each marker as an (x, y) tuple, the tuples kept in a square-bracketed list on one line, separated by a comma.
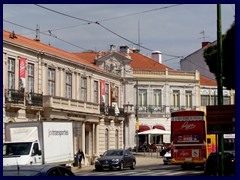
[(156, 132), (159, 127), (143, 128)]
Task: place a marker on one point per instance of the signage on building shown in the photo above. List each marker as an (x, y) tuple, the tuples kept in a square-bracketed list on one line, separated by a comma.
[(22, 72), (221, 119)]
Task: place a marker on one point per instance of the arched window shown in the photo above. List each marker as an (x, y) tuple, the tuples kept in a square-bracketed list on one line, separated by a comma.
[(106, 139), (116, 139)]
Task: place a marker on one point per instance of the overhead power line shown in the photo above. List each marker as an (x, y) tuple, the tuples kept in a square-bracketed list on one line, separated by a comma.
[(97, 22), (142, 12), (50, 34)]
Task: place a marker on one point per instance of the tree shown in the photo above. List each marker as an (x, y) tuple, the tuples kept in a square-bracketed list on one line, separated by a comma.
[(228, 48)]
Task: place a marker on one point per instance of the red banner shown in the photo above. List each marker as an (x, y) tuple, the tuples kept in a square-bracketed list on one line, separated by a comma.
[(103, 92), (103, 87), (22, 72)]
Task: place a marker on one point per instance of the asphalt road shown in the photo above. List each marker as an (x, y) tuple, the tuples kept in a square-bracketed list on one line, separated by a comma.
[(147, 165)]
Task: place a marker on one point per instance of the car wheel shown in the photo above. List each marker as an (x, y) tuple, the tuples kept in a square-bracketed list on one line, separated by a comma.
[(133, 165), (121, 166)]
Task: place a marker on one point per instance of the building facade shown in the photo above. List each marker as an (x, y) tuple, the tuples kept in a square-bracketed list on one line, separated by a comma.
[(153, 89), (43, 83)]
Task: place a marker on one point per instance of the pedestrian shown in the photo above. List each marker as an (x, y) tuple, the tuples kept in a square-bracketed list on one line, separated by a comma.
[(80, 156)]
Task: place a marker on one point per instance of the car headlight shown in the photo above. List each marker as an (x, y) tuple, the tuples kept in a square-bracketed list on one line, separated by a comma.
[(96, 161), (115, 160)]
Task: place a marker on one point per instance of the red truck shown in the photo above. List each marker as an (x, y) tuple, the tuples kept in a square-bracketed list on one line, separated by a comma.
[(188, 138)]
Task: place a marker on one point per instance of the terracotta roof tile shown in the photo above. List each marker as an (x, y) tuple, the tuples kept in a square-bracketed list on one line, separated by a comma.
[(207, 82), (23, 41), (139, 61)]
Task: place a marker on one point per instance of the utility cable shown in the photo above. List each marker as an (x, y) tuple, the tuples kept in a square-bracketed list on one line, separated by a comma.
[(50, 34), (96, 22)]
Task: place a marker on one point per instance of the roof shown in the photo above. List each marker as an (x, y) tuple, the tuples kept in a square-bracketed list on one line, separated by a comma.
[(139, 61), (207, 82), (37, 45)]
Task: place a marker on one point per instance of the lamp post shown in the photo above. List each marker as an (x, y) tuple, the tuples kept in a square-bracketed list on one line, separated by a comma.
[(136, 116), (220, 79)]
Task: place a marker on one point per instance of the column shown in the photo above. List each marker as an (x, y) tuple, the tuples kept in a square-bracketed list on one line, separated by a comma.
[(83, 139), (97, 141)]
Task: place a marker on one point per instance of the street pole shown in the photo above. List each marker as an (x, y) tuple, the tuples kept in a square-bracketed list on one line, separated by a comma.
[(219, 79), (136, 116)]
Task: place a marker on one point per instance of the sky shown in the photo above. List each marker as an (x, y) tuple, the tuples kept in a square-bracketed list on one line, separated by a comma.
[(176, 30)]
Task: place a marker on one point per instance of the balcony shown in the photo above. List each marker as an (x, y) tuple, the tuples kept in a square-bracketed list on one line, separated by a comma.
[(14, 96), (183, 108), (14, 99), (65, 104), (107, 110), (34, 99), (110, 111), (151, 109)]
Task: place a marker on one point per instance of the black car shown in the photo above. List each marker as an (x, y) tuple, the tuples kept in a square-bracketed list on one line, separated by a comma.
[(115, 159), (36, 170), (213, 163)]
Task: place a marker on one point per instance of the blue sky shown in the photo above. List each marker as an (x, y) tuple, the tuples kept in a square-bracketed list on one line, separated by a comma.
[(173, 29)]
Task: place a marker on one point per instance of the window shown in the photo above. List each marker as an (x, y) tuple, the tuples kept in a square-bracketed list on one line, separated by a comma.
[(106, 94), (188, 98), (116, 139), (95, 92), (157, 98), (11, 73), (213, 100), (116, 95), (51, 81), (176, 98), (83, 89), (142, 97), (68, 85), (30, 71), (106, 139), (205, 100), (226, 100)]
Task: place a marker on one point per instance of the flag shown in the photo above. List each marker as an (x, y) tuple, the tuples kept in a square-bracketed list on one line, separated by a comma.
[(22, 73)]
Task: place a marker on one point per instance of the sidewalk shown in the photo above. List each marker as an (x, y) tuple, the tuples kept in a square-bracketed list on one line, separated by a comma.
[(143, 159)]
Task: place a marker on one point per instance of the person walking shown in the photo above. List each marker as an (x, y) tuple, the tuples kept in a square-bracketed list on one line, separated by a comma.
[(80, 156)]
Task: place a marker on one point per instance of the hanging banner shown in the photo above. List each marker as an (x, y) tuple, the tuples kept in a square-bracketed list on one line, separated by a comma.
[(22, 73), (103, 92)]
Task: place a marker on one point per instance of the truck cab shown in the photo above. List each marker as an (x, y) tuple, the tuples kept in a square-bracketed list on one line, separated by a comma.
[(21, 153)]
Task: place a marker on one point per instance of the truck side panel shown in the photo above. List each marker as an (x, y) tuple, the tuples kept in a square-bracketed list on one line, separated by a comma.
[(58, 142)]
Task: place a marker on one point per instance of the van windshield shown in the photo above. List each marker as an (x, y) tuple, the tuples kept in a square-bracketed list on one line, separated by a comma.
[(22, 148)]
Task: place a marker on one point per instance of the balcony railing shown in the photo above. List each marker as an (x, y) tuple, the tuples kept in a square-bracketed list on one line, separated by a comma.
[(152, 109), (70, 104), (34, 99), (178, 108), (14, 96), (110, 111)]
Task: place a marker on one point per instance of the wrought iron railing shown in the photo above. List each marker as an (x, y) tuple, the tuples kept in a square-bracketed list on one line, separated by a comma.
[(34, 99), (151, 109), (14, 96)]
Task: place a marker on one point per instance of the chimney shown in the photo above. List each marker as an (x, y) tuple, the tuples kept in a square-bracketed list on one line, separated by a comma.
[(113, 48), (12, 35), (205, 44), (157, 56), (124, 49)]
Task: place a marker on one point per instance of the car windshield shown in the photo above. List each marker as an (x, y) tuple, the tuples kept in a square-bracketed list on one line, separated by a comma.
[(20, 173), (113, 153), (16, 149)]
